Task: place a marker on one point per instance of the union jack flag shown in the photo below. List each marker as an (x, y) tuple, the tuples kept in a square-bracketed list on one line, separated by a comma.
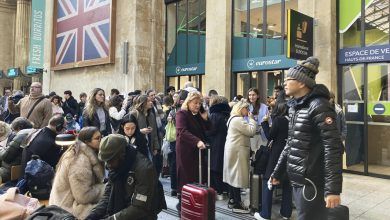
[(83, 30)]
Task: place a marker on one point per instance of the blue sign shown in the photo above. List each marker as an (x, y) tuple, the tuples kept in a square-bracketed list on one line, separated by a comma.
[(183, 70), (13, 72), (379, 109), (263, 63), (30, 70), (372, 54)]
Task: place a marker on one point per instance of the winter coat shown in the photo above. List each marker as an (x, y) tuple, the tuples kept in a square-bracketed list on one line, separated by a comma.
[(278, 135), (78, 183), (41, 114), (341, 125), (219, 115), (190, 129), (130, 192), (71, 106), (237, 150), (313, 148), (43, 145), (145, 121), (10, 155), (95, 122)]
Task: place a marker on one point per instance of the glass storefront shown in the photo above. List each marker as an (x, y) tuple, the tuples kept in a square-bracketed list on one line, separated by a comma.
[(259, 33), (365, 91), (185, 42)]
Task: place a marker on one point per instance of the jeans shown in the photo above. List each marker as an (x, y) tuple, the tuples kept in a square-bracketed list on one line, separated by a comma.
[(217, 182), (310, 210), (266, 204), (172, 169)]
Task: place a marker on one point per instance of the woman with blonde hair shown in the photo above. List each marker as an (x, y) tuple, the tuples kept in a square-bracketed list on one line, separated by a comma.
[(78, 183), (96, 112), (191, 124), (241, 127)]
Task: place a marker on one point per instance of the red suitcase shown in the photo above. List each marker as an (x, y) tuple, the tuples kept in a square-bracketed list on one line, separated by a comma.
[(197, 200)]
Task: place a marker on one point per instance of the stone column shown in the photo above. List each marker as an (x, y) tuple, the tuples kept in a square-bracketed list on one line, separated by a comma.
[(218, 46), (325, 41), (22, 37)]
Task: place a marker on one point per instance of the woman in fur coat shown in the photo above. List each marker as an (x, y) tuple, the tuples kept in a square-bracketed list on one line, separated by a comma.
[(78, 183)]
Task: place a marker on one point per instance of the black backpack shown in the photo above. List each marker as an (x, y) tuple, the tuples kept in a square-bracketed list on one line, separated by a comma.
[(38, 176), (51, 212)]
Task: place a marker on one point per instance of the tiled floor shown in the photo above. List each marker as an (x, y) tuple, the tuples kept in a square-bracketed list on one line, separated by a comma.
[(368, 198)]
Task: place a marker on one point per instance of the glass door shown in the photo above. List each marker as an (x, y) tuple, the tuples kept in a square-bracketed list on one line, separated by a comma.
[(353, 98), (378, 114)]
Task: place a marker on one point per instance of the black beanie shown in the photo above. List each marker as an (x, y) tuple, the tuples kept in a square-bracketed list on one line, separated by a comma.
[(305, 71)]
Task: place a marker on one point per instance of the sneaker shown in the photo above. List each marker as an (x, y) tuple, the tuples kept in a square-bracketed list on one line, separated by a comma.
[(258, 216), (285, 218), (230, 203), (241, 208), (220, 197)]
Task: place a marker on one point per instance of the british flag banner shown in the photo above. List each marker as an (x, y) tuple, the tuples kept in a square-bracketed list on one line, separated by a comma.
[(83, 33)]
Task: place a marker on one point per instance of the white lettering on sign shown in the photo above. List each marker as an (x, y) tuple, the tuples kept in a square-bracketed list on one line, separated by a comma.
[(37, 28)]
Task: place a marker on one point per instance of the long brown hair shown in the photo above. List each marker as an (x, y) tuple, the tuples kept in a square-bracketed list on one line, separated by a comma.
[(92, 104), (256, 105)]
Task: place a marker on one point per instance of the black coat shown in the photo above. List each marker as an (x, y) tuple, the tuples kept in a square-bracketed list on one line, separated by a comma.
[(44, 146), (71, 106), (95, 122), (131, 191), (313, 148), (278, 134), (219, 115)]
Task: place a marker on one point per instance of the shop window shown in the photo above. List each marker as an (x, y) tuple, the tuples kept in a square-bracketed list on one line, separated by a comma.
[(171, 34), (377, 23), (349, 23), (274, 28), (256, 32), (239, 29)]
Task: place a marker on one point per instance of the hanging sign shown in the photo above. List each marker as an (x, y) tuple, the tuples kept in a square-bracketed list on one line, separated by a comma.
[(299, 35)]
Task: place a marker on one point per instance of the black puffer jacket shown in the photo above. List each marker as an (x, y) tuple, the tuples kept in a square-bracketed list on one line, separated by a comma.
[(313, 146)]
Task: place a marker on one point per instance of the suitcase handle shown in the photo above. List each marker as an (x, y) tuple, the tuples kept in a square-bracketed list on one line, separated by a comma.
[(208, 165)]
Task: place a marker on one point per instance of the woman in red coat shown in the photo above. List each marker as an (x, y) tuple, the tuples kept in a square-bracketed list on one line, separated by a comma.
[(191, 124)]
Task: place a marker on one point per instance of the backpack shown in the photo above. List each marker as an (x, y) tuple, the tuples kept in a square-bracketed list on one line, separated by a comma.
[(38, 176), (51, 212)]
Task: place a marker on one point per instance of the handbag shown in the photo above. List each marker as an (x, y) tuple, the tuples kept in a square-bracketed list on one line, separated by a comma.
[(170, 132), (261, 159), (16, 206)]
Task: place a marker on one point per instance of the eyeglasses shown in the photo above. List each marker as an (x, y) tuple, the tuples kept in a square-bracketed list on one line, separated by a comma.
[(35, 87)]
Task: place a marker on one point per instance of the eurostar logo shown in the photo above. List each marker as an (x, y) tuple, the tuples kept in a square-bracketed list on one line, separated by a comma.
[(250, 64), (178, 70)]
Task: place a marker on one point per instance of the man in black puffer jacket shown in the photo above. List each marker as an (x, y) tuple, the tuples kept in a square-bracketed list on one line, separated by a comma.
[(312, 155)]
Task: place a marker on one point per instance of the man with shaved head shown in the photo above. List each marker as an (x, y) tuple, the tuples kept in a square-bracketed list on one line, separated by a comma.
[(35, 107)]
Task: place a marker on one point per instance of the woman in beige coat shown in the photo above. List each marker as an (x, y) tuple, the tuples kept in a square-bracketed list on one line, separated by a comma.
[(78, 183), (241, 127)]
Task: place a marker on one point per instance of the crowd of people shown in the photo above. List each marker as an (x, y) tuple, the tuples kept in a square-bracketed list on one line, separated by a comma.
[(114, 166)]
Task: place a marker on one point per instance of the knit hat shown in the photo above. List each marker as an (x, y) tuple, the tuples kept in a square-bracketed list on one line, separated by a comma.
[(305, 71), (5, 130), (111, 145)]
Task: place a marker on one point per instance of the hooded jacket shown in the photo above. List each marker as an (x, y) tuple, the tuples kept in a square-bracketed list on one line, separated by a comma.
[(313, 145), (131, 191)]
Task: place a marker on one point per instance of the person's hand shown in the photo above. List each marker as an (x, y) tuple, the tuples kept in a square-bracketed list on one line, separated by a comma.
[(146, 130), (250, 115), (10, 100), (155, 152), (124, 104), (204, 115), (332, 201), (201, 145), (266, 117), (274, 181), (169, 118)]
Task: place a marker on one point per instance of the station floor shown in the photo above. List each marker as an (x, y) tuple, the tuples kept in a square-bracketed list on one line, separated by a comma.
[(368, 198)]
